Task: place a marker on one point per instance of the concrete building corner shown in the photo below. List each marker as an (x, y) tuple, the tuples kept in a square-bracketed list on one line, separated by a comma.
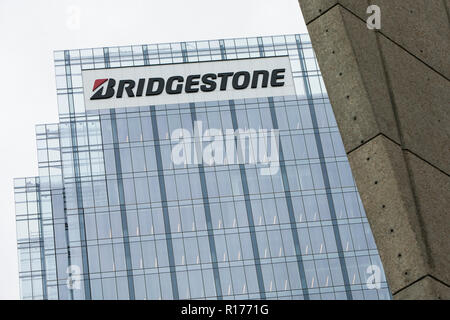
[(390, 92)]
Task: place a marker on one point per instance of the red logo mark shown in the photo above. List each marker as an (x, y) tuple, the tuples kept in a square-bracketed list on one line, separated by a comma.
[(98, 83)]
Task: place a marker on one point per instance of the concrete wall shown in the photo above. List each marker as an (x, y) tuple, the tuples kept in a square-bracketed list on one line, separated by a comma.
[(390, 92)]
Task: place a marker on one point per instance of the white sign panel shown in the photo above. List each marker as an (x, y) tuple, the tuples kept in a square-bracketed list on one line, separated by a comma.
[(187, 82)]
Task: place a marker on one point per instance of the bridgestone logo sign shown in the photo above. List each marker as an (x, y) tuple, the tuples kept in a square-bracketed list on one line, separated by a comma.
[(187, 82)]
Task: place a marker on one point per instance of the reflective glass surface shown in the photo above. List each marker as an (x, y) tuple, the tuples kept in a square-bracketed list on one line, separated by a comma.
[(111, 216)]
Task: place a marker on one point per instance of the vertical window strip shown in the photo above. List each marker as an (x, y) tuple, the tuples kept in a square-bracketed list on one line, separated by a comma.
[(287, 193), (209, 227), (123, 212), (249, 210), (162, 188), (323, 167), (76, 163)]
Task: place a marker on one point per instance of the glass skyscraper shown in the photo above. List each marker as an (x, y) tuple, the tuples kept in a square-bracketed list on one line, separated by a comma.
[(110, 215)]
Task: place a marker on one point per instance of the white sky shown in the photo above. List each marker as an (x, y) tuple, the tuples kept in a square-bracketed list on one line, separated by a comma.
[(31, 30)]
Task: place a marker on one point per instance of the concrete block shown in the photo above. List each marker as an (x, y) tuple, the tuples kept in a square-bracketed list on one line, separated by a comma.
[(311, 9), (352, 69), (383, 182), (432, 191), (420, 26), (391, 97), (425, 289), (422, 99), (358, 8)]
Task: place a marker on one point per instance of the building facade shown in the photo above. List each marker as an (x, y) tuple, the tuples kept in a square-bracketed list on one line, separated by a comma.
[(112, 215)]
